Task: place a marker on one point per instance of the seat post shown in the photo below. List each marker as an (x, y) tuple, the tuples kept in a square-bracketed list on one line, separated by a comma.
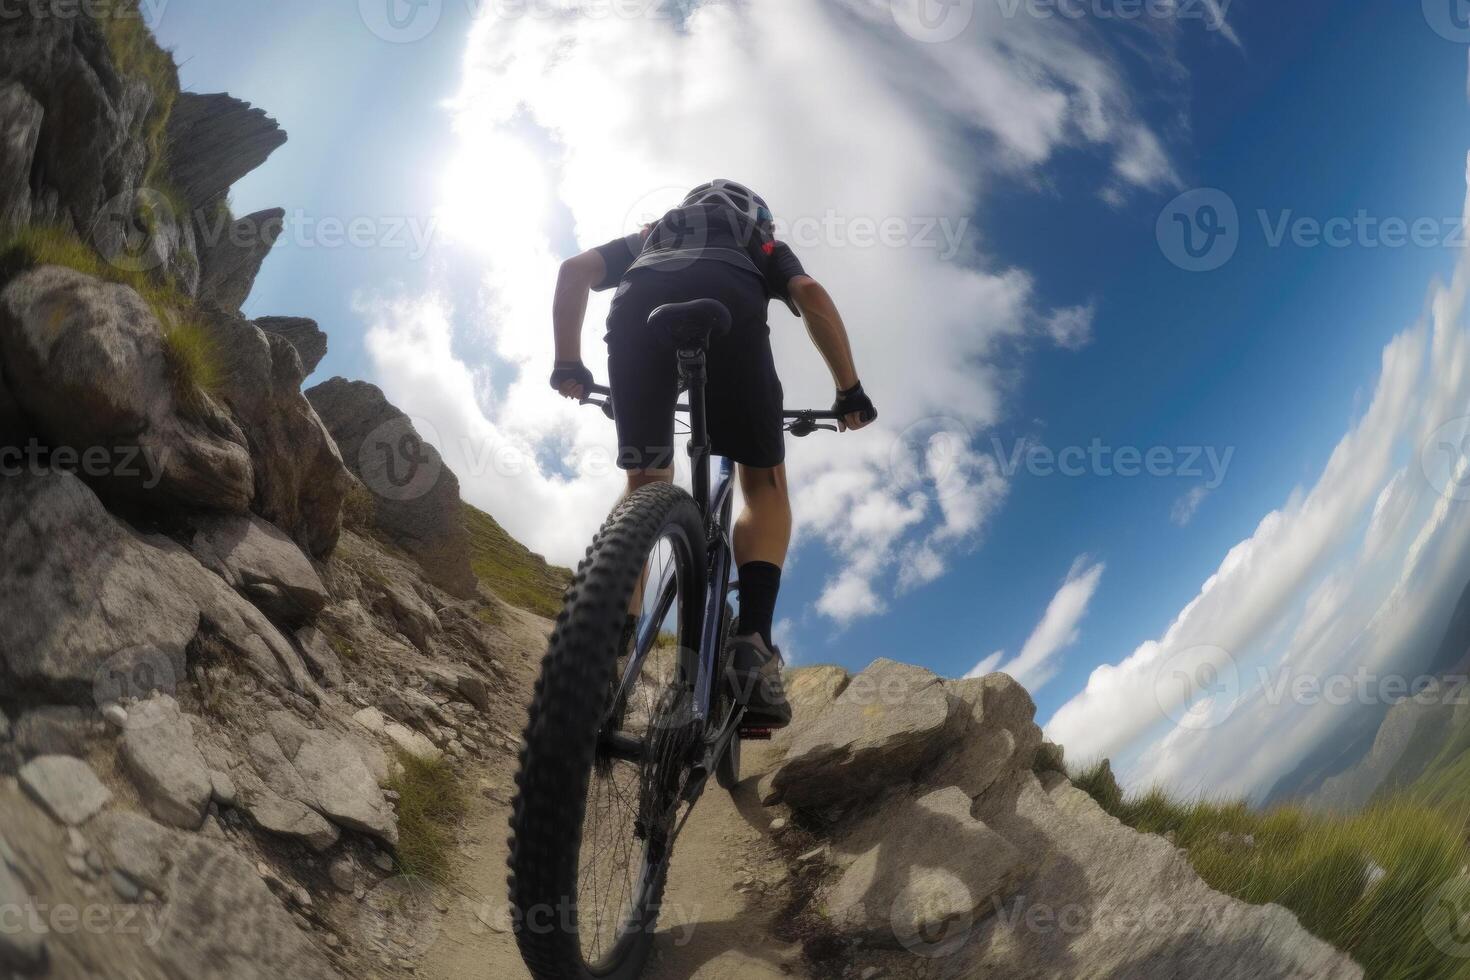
[(693, 373)]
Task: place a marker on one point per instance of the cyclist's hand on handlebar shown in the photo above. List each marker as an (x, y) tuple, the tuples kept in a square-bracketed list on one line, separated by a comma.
[(572, 379), (855, 407)]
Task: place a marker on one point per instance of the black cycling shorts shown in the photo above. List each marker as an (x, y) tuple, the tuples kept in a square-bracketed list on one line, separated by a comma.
[(743, 399)]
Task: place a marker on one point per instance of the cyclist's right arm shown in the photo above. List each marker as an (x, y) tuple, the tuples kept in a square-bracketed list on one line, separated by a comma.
[(595, 269)]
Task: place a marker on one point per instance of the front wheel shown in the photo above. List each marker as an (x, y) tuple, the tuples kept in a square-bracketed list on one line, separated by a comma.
[(608, 746)]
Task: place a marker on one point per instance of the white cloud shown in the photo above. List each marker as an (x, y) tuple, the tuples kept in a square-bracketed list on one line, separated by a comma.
[(1059, 629), (604, 120), (1355, 573), (1186, 506)]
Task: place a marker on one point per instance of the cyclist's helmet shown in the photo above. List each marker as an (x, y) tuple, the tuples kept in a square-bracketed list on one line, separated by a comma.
[(731, 194)]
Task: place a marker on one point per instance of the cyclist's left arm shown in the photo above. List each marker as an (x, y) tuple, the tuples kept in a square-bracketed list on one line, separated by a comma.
[(593, 270)]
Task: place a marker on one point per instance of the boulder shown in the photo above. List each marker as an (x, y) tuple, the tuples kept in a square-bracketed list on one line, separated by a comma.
[(998, 737), (411, 742), (215, 140), (326, 772), (20, 130), (231, 254), (277, 815), (65, 787), (52, 730), (320, 657), (417, 497), (86, 362), (305, 336), (223, 923), (300, 481), (262, 564), (87, 601), (941, 874), (887, 724), (160, 754)]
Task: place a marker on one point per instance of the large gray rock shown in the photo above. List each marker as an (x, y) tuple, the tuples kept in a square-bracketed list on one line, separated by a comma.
[(300, 479), (65, 787), (998, 736), (52, 730), (888, 723), (262, 564), (418, 505), (87, 601), (166, 765), (308, 339), (291, 819), (20, 129), (86, 363), (215, 140), (942, 870), (328, 773), (320, 657), (231, 254), (1134, 906), (222, 922)]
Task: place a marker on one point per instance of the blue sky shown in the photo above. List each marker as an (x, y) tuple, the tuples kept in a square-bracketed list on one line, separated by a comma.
[(1060, 142)]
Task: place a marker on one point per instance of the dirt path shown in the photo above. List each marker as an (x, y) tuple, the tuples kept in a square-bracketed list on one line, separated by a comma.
[(714, 919)]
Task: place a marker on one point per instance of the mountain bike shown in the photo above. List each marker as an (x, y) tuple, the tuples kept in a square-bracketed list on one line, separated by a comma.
[(632, 713)]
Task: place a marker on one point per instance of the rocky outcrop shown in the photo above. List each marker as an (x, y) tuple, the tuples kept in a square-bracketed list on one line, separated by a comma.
[(262, 564), (231, 254), (159, 752), (417, 497), (308, 339), (300, 481), (215, 140), (80, 592), (963, 850), (20, 130), (88, 366), (65, 787)]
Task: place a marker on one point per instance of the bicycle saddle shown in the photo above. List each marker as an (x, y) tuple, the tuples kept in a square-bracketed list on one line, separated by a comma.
[(692, 324)]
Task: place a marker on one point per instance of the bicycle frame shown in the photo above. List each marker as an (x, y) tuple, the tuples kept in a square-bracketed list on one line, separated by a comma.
[(716, 504)]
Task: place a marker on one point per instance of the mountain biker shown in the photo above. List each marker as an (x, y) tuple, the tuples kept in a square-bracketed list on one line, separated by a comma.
[(720, 244)]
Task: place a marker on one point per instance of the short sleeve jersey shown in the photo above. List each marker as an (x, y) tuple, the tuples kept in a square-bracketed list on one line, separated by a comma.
[(703, 233)]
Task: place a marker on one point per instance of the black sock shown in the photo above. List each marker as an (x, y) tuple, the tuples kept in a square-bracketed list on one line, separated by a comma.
[(760, 583)]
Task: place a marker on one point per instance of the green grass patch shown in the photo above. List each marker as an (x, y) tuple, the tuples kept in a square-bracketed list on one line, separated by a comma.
[(359, 506), (193, 363), (431, 805), (511, 570), (1368, 883), (136, 54)]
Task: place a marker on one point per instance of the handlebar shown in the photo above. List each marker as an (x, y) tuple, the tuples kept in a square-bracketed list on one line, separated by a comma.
[(799, 422)]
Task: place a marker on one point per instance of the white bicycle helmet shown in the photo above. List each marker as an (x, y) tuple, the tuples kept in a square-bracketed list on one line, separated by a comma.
[(734, 195)]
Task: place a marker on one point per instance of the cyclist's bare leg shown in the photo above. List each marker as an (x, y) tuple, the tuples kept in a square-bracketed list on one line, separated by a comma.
[(763, 531)]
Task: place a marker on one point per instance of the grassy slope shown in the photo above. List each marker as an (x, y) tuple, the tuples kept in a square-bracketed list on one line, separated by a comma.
[(1321, 867), (511, 570)]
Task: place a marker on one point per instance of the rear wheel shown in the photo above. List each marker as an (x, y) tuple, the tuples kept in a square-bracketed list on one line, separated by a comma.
[(608, 747)]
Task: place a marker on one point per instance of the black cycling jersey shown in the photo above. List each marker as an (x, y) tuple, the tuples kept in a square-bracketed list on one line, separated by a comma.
[(704, 232)]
